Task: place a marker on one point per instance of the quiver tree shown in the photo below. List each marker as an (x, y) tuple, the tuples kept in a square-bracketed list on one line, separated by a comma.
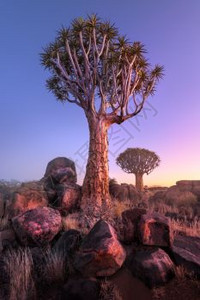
[(139, 162), (107, 76)]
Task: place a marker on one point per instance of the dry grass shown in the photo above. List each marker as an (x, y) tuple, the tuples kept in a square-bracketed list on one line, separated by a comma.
[(55, 268), (119, 206), (71, 221), (181, 198), (18, 265), (4, 223), (184, 286), (109, 291), (192, 229)]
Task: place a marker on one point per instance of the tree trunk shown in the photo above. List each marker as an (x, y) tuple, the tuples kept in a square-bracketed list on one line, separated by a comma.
[(96, 182), (139, 181)]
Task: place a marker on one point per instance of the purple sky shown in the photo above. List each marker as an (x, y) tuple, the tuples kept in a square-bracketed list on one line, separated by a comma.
[(35, 128)]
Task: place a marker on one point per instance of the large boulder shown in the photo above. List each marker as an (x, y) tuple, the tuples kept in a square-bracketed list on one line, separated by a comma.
[(179, 197), (114, 189), (155, 230), (27, 197), (186, 252), (62, 169), (153, 266), (68, 243), (133, 194), (68, 197), (100, 254), (60, 176), (37, 226), (185, 185), (130, 220), (189, 185), (157, 198)]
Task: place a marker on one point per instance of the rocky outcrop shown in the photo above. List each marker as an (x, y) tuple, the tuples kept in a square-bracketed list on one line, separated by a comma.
[(68, 197), (37, 226), (100, 254), (179, 197), (153, 266), (26, 197), (184, 193), (189, 185), (60, 184), (130, 220), (155, 230), (62, 169), (68, 243), (123, 191), (186, 252)]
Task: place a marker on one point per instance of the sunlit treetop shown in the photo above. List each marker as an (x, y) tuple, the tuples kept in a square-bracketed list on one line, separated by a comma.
[(138, 161), (95, 67)]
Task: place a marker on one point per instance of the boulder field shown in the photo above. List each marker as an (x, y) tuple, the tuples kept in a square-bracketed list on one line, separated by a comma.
[(147, 247)]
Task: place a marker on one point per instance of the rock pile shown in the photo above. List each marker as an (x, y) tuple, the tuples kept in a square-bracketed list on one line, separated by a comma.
[(147, 246)]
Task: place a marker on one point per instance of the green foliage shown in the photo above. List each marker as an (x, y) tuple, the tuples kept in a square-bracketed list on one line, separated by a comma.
[(91, 58), (138, 161)]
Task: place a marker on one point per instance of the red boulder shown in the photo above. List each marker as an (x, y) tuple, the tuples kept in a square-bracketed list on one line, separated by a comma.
[(101, 254), (155, 230), (37, 226)]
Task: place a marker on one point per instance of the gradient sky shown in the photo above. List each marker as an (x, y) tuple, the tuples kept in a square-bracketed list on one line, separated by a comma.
[(35, 128)]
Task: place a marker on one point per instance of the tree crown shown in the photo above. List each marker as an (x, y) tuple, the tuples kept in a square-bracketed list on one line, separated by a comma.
[(95, 67), (138, 161)]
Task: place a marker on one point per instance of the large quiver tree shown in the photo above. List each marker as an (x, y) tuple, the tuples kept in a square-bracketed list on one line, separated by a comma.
[(138, 161), (94, 67)]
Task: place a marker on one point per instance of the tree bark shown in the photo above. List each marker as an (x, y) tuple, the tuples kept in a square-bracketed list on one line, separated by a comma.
[(96, 182), (139, 181)]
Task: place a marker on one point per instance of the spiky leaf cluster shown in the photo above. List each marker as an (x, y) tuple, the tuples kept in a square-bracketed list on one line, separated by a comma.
[(92, 65), (138, 161)]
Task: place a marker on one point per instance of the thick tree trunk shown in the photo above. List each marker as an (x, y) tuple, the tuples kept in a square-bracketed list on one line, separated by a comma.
[(139, 181), (96, 183)]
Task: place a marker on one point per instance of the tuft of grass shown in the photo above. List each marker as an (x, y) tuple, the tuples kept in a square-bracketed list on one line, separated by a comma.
[(184, 286), (185, 198), (189, 229), (109, 291), (18, 265), (4, 223), (55, 268), (71, 221), (119, 206)]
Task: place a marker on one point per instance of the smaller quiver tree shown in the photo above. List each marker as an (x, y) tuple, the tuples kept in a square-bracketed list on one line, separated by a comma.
[(138, 161)]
